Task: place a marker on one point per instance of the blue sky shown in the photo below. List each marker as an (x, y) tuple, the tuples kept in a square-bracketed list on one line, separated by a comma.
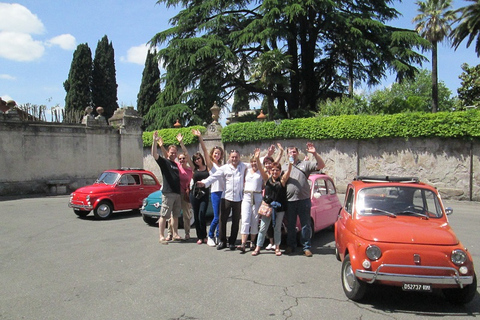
[(38, 38)]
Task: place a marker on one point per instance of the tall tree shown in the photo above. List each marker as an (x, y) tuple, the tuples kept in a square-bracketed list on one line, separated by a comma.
[(469, 26), (434, 24), (104, 83), (221, 39), (79, 80), (150, 86)]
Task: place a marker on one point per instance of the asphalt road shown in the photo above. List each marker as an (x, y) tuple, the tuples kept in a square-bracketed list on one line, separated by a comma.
[(54, 265)]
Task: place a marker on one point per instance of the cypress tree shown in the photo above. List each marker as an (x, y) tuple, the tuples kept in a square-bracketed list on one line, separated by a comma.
[(104, 83), (79, 80), (150, 86)]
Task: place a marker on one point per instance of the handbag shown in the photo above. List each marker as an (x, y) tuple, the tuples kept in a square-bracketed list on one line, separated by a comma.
[(265, 209)]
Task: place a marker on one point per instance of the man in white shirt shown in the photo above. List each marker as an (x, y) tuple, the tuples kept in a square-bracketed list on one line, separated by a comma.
[(234, 175)]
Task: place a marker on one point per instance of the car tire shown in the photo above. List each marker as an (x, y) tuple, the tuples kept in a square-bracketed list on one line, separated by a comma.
[(461, 296), (150, 221), (81, 213), (104, 210), (353, 287)]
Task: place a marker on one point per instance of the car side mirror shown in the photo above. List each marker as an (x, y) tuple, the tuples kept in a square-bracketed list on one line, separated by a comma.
[(448, 211)]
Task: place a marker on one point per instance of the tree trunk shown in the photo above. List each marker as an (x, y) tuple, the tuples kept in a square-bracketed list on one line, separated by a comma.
[(434, 78)]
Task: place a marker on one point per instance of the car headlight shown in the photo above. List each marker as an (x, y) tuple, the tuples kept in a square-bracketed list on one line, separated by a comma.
[(144, 202), (88, 198), (458, 256), (373, 252)]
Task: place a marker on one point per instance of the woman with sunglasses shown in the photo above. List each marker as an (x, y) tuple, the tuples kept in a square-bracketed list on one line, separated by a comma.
[(213, 160), (199, 197)]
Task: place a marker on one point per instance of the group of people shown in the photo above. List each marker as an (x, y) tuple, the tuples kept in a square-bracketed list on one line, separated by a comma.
[(241, 189)]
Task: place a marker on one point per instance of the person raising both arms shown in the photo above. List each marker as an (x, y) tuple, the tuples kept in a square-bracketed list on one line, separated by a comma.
[(170, 187), (213, 160)]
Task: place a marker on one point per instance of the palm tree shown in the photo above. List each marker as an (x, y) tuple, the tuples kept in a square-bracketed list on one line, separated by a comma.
[(434, 24), (469, 26)]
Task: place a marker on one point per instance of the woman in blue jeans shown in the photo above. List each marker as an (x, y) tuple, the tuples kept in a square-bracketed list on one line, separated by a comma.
[(275, 196), (213, 160)]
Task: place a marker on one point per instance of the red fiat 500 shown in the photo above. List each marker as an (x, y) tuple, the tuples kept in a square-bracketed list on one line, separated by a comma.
[(114, 190), (394, 231)]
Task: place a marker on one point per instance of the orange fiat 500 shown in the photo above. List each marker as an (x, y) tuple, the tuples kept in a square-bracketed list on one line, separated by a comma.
[(395, 231)]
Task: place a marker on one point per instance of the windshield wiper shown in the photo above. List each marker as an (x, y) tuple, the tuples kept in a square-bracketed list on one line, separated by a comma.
[(423, 215), (372, 210)]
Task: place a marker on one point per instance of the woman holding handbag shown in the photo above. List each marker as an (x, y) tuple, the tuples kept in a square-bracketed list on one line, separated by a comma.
[(275, 198)]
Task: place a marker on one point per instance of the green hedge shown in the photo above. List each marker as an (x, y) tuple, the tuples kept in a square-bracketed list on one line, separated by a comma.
[(170, 136), (461, 124)]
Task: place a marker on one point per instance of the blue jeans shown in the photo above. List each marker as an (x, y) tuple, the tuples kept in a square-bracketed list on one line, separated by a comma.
[(300, 208), (215, 197)]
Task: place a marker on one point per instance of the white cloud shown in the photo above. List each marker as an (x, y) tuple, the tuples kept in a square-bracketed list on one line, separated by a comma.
[(137, 54), (64, 41), (17, 18), (20, 47), (17, 24), (7, 77)]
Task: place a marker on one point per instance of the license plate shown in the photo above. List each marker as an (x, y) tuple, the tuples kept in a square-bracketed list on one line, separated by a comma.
[(417, 287)]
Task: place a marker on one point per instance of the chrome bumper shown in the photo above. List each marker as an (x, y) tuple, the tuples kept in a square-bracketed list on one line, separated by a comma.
[(454, 279), (80, 206)]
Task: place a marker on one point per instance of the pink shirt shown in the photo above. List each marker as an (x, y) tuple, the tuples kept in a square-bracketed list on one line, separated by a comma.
[(185, 176)]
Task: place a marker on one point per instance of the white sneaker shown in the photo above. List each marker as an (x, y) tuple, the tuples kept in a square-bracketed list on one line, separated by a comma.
[(274, 247), (211, 242), (270, 247)]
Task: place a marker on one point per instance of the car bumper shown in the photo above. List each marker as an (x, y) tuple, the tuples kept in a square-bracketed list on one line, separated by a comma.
[(148, 213), (80, 206), (453, 279)]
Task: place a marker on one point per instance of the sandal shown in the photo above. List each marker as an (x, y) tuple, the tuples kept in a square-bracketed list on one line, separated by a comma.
[(199, 241), (241, 247), (177, 238), (163, 241), (168, 238), (278, 253), (255, 253)]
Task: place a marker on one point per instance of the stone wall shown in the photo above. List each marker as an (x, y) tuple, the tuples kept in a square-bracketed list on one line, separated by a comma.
[(451, 165), (43, 157)]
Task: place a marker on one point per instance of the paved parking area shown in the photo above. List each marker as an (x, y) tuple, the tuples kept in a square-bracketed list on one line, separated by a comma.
[(54, 265)]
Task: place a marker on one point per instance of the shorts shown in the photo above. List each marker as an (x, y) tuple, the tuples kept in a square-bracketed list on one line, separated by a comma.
[(171, 205)]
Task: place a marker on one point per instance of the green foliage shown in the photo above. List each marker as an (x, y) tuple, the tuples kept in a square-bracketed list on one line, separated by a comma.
[(469, 91), (170, 136), (343, 106), (469, 26), (150, 86), (410, 96), (104, 83), (295, 53), (166, 117), (79, 80), (462, 124)]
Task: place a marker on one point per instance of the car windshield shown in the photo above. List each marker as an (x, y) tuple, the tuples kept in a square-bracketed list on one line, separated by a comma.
[(108, 178), (396, 201)]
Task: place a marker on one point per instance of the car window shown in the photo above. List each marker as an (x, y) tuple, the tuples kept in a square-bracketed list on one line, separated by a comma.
[(349, 201), (330, 187), (108, 178), (128, 180), (398, 200), (320, 187), (148, 180)]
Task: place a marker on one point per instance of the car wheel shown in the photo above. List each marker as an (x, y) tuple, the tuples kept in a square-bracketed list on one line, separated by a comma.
[(81, 213), (103, 210), (149, 220), (354, 289), (461, 296)]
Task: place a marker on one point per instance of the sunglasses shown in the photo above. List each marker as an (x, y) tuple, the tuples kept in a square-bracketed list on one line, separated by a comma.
[(181, 158)]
